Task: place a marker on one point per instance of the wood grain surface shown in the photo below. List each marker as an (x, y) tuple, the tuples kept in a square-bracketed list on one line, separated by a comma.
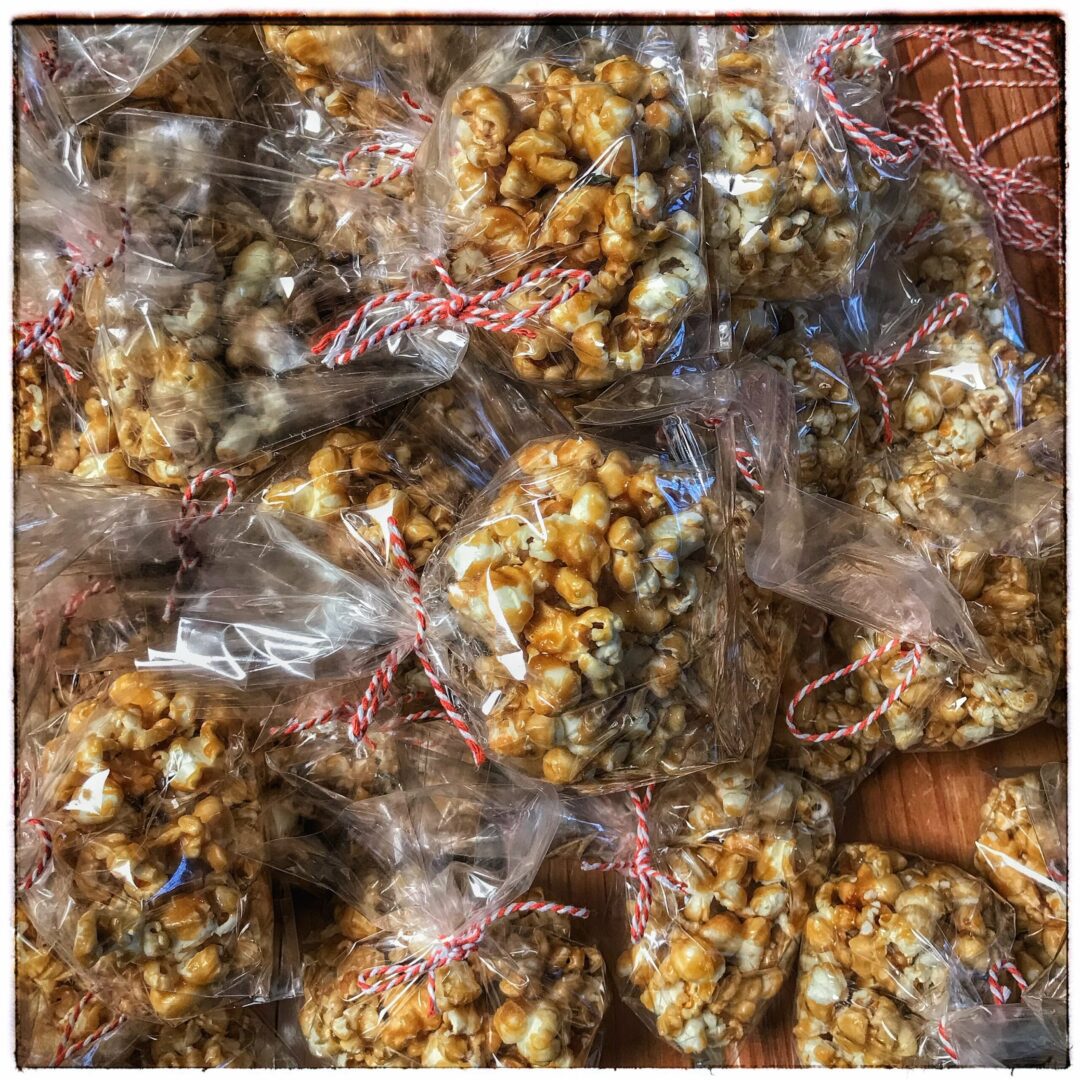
[(923, 803)]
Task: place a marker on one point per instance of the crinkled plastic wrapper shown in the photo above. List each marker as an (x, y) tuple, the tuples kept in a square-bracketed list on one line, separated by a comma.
[(100, 64), (947, 243), (444, 859), (580, 158), (793, 206), (154, 892), (207, 352), (893, 945), (751, 851), (580, 611), (1021, 849)]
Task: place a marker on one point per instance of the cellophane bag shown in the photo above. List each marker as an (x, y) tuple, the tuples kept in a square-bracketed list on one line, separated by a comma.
[(509, 985), (750, 851), (947, 242), (794, 204), (216, 1039), (746, 412), (51, 1027), (894, 944), (98, 64), (580, 610), (1021, 850), (152, 889), (826, 406), (578, 162), (364, 75), (952, 380), (443, 447), (206, 354)]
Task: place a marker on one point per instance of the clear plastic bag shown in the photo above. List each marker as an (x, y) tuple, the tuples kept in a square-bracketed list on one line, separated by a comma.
[(210, 352), (151, 887), (219, 1039), (364, 75), (440, 963), (893, 946), (1021, 849), (581, 161), (99, 64), (57, 1021), (580, 610), (933, 370), (704, 964), (801, 180), (947, 243)]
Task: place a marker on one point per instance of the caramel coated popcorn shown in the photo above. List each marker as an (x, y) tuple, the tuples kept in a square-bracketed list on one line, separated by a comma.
[(784, 202), (892, 942), (576, 597), (532, 998), (711, 961), (1022, 855), (591, 166), (155, 892)]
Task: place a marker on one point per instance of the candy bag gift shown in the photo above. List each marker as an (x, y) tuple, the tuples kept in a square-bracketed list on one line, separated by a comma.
[(211, 353), (569, 606), (893, 946), (1021, 850), (801, 176), (444, 962), (578, 162), (717, 900), (142, 844)]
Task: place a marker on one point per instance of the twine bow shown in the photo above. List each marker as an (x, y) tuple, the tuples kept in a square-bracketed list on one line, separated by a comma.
[(639, 867), (452, 948), (458, 307), (894, 695), (191, 517), (362, 713), (944, 312), (878, 145), (405, 153), (43, 333)]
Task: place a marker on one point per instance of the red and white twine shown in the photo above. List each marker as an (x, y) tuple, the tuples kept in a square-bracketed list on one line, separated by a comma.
[(191, 517), (998, 990), (44, 856), (362, 714), (1011, 56), (42, 333), (849, 730), (458, 307), (876, 143), (75, 602), (67, 1049), (453, 948), (946, 1042), (404, 153), (639, 867), (944, 312)]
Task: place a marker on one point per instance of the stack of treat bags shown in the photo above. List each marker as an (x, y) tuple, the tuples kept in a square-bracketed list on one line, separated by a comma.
[(446, 448)]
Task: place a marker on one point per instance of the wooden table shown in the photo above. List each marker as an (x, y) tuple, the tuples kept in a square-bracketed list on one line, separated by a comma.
[(924, 803)]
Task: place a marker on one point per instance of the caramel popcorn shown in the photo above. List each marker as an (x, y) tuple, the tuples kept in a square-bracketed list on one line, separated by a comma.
[(786, 200), (891, 944), (711, 961), (530, 997), (154, 892), (593, 168), (571, 605), (1021, 853), (962, 397), (948, 243), (47, 993), (827, 410), (232, 1039)]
